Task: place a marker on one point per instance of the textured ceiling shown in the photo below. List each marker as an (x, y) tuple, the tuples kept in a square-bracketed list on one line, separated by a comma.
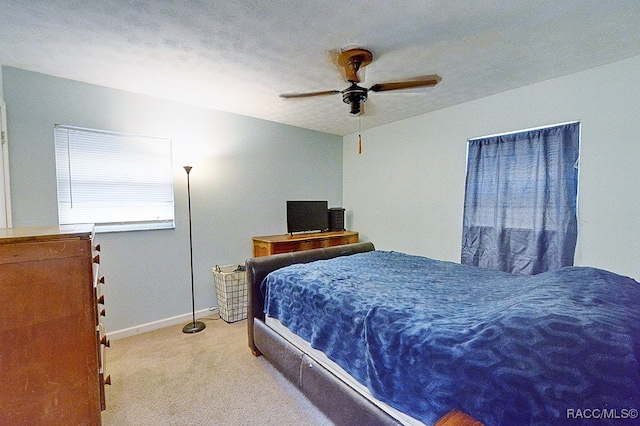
[(238, 56)]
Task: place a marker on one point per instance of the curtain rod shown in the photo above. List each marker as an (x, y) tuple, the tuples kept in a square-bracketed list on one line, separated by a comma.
[(523, 130)]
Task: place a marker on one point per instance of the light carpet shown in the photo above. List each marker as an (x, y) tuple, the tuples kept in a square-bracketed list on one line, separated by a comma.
[(167, 377)]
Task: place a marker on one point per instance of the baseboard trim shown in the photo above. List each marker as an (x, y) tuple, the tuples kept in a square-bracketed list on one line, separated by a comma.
[(150, 326)]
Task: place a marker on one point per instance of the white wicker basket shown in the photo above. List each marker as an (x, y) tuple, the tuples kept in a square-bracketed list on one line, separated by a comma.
[(231, 289)]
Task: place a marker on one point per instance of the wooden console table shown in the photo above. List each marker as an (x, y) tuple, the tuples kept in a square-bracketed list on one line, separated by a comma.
[(286, 243)]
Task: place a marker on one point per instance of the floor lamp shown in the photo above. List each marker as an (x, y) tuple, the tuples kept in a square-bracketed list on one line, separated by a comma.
[(194, 326)]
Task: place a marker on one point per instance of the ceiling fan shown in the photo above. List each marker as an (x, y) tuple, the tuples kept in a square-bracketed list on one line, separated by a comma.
[(353, 60)]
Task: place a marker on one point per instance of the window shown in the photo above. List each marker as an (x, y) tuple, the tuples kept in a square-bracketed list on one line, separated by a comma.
[(119, 182), (521, 200)]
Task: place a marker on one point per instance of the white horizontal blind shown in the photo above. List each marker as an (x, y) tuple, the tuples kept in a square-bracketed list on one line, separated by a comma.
[(117, 181)]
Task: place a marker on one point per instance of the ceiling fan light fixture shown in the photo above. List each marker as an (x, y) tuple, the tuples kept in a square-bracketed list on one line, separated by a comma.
[(354, 96), (355, 107)]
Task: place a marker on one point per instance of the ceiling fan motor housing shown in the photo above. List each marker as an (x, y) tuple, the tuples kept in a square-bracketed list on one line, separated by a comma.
[(354, 95)]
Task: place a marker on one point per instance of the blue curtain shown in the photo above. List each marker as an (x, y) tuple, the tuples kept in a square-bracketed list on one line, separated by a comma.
[(520, 200)]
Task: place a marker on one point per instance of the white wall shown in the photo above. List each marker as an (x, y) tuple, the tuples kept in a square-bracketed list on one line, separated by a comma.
[(244, 170), (406, 190), (5, 195), (5, 202)]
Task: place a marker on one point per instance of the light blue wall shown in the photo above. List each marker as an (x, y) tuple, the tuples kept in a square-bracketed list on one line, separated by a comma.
[(406, 189), (244, 170)]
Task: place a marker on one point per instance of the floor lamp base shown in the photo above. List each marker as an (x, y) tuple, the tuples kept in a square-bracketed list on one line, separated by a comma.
[(193, 327)]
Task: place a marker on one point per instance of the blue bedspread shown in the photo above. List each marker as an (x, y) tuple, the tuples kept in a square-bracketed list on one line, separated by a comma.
[(427, 336)]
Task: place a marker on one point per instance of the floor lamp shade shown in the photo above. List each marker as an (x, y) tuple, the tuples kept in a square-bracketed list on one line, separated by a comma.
[(194, 326)]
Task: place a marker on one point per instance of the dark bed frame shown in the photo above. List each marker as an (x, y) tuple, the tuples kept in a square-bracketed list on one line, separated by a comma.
[(340, 403)]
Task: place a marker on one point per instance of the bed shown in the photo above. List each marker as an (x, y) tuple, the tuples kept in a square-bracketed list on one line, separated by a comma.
[(378, 337)]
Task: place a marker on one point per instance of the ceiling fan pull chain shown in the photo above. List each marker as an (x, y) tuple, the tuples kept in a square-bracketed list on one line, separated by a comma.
[(360, 134)]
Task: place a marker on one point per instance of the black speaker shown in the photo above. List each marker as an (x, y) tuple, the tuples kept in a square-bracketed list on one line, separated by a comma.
[(336, 219)]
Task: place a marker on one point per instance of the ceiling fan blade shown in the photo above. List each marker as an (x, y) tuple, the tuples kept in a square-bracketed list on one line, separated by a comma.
[(430, 80), (308, 95)]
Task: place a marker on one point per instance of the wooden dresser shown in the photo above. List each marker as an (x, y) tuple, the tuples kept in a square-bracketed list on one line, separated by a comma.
[(286, 243), (52, 345)]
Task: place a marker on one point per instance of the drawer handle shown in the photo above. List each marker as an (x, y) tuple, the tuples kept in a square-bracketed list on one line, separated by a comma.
[(107, 381), (103, 313), (96, 259), (97, 247), (101, 280), (101, 300), (105, 341)]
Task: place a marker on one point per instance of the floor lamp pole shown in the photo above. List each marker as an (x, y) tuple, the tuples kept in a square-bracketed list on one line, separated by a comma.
[(194, 326)]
